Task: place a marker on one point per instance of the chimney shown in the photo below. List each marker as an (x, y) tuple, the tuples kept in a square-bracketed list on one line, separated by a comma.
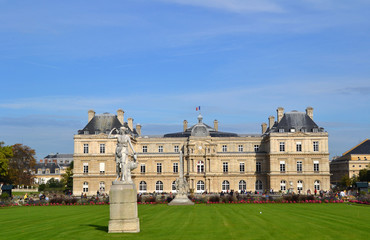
[(280, 113), (215, 123), (309, 112), (120, 114), (185, 125), (138, 129), (91, 114), (271, 121), (264, 127), (130, 123)]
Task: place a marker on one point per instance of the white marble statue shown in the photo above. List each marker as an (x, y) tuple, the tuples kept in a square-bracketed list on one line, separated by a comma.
[(124, 165)]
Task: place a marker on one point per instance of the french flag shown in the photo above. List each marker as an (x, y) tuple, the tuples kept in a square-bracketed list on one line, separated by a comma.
[(198, 108)]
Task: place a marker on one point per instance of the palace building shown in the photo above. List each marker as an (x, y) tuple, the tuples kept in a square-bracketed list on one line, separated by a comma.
[(290, 154), (351, 162)]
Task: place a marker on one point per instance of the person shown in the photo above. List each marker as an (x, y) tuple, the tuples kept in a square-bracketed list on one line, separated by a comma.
[(97, 193), (123, 165), (315, 191)]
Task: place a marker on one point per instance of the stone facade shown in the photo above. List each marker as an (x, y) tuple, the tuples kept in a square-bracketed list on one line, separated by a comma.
[(291, 154), (351, 162)]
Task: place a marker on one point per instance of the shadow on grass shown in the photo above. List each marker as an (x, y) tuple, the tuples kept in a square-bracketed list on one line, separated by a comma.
[(99, 227)]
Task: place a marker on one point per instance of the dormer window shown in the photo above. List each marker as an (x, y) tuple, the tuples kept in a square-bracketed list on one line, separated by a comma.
[(86, 132), (281, 130), (292, 130), (315, 130), (303, 130), (97, 132)]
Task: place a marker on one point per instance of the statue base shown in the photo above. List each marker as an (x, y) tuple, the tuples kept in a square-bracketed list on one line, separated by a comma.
[(180, 199), (123, 208)]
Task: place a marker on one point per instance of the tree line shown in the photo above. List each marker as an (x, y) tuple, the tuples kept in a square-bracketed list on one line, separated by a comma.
[(16, 164)]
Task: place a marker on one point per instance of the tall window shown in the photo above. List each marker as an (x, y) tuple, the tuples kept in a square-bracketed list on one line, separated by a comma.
[(173, 186), (102, 168), (175, 167), (86, 168), (176, 148), (298, 146), (282, 166), (240, 148), (85, 187), (242, 167), (242, 185), (256, 148), (282, 185), (315, 146), (200, 186), (159, 167), (160, 148), (102, 187), (258, 167), (316, 166), (142, 168), (145, 149), (142, 186), (225, 186), (102, 148), (225, 167), (317, 185), (299, 166), (86, 148), (300, 185), (159, 186), (282, 146), (224, 148), (200, 166), (258, 185)]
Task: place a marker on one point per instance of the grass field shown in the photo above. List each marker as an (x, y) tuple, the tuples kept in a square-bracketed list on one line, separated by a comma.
[(201, 221)]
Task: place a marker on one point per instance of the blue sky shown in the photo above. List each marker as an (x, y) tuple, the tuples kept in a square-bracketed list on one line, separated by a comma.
[(238, 59)]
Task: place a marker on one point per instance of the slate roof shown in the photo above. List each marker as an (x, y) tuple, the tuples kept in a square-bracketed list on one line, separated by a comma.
[(104, 123), (60, 155), (44, 166), (196, 130), (362, 148), (300, 121)]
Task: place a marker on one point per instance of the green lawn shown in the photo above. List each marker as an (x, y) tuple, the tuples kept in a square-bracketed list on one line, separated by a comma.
[(222, 221)]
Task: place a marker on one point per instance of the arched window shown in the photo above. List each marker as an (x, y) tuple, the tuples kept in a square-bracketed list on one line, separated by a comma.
[(200, 166), (102, 187), (242, 185), (300, 185), (258, 185), (282, 185), (85, 187), (142, 186), (317, 185), (159, 186), (225, 186), (174, 186), (200, 186)]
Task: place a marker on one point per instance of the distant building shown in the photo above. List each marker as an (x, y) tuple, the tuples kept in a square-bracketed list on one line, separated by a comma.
[(351, 162), (52, 166), (291, 154)]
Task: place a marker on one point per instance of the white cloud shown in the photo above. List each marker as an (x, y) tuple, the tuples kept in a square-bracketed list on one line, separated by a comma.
[(233, 5)]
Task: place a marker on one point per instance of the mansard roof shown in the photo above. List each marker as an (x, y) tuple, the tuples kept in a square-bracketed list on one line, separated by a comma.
[(60, 155), (362, 148), (299, 121), (201, 130), (104, 123)]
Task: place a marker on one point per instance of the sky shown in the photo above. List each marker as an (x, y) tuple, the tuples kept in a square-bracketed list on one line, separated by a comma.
[(158, 60)]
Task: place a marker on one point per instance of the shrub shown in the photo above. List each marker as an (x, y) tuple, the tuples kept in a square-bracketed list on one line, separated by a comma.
[(214, 198), (4, 196)]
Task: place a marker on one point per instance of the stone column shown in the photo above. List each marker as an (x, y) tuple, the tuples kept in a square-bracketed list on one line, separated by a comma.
[(123, 208)]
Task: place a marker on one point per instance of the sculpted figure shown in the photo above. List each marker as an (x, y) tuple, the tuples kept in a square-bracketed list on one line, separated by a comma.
[(124, 165)]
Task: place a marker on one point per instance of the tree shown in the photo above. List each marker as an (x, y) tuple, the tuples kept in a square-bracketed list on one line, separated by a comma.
[(364, 175), (67, 178), (345, 181), (21, 165), (5, 154)]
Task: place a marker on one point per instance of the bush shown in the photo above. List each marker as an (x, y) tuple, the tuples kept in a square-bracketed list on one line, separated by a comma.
[(214, 198), (4, 196)]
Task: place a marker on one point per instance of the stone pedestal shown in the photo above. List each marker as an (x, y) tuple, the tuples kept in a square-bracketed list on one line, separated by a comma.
[(181, 199), (123, 208)]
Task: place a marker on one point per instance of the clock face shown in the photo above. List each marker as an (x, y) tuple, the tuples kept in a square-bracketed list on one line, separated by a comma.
[(200, 147)]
